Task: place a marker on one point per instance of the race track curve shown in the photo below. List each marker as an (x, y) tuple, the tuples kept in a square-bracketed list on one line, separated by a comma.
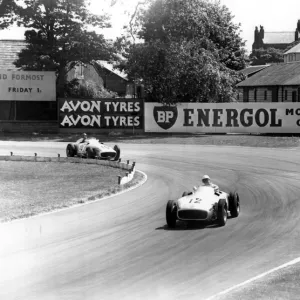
[(120, 248)]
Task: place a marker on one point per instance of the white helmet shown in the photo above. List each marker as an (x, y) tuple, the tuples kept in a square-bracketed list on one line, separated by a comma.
[(205, 177)]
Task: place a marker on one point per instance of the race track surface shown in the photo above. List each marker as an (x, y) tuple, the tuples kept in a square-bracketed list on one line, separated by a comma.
[(120, 248)]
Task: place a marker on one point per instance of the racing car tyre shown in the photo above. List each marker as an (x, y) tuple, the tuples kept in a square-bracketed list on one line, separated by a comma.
[(71, 150), (118, 150), (222, 213), (234, 204), (171, 214), (89, 153)]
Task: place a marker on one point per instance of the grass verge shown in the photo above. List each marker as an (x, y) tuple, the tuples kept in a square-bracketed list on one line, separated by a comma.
[(272, 141), (280, 285), (31, 188)]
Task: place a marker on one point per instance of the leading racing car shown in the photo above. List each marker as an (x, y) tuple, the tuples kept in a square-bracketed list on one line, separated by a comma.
[(203, 204), (92, 148)]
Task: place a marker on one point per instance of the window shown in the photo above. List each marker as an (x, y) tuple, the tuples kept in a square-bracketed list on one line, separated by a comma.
[(255, 95), (285, 95), (265, 95), (246, 95), (79, 71), (294, 96)]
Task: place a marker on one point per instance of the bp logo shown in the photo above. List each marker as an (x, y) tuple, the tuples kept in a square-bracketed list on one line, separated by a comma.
[(165, 116)]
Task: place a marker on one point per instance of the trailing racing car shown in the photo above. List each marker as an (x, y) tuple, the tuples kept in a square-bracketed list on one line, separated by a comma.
[(92, 148), (203, 204)]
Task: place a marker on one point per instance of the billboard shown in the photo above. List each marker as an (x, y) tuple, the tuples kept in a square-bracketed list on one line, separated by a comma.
[(27, 86), (223, 118), (101, 113)]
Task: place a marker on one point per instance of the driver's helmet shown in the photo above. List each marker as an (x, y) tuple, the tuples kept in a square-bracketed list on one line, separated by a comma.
[(84, 135), (206, 179)]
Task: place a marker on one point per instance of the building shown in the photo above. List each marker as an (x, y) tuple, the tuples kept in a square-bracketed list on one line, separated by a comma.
[(103, 75), (276, 83), (251, 70), (292, 55), (9, 50), (101, 72), (279, 40)]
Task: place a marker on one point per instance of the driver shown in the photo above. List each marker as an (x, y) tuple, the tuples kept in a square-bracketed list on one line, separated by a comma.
[(207, 182), (84, 138)]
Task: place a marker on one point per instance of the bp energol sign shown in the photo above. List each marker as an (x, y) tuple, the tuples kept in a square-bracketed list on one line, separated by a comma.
[(223, 117)]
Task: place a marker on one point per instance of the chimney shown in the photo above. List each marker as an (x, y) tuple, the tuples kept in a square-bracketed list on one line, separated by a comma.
[(262, 32)]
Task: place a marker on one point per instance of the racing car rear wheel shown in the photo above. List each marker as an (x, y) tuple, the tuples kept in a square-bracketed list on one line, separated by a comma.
[(118, 152), (171, 214), (234, 204), (71, 150), (222, 213)]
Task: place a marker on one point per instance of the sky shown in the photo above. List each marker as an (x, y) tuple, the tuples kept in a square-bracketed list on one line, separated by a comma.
[(274, 15)]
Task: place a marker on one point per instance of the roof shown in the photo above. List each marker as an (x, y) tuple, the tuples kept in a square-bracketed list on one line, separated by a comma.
[(284, 37), (105, 64), (295, 49), (276, 74), (9, 50), (253, 69)]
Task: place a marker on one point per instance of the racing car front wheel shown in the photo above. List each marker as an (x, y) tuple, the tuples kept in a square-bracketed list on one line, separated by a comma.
[(71, 150), (234, 204), (171, 214), (90, 153), (222, 213)]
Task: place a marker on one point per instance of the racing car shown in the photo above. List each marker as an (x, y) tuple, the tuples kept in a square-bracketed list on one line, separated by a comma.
[(203, 204), (92, 148)]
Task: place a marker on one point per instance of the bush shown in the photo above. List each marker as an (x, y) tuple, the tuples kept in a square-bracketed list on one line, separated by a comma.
[(87, 89)]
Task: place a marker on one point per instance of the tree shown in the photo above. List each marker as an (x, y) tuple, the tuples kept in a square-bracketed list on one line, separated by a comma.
[(58, 37), (191, 52), (7, 16), (265, 56)]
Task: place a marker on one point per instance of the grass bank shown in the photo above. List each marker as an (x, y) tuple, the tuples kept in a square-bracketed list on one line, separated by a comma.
[(31, 188), (280, 285)]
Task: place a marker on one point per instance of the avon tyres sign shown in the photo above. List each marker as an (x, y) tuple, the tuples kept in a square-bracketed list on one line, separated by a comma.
[(27, 86), (223, 118), (104, 113)]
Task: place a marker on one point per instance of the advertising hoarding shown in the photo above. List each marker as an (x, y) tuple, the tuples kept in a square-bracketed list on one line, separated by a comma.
[(101, 113), (223, 118), (27, 86)]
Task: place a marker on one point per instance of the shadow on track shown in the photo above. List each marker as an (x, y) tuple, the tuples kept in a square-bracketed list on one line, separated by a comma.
[(188, 226)]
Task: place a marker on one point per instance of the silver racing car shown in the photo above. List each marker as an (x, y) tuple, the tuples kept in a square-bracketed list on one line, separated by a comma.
[(203, 204), (92, 148)]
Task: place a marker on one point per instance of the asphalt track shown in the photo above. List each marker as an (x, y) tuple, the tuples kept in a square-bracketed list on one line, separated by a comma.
[(120, 248)]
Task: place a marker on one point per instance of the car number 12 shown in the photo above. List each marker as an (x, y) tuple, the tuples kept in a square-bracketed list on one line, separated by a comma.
[(197, 200)]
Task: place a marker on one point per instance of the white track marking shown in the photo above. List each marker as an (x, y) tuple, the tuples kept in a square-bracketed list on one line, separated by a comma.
[(81, 204), (290, 263)]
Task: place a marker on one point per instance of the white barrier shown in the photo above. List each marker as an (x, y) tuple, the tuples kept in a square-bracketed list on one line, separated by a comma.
[(260, 117), (113, 164)]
